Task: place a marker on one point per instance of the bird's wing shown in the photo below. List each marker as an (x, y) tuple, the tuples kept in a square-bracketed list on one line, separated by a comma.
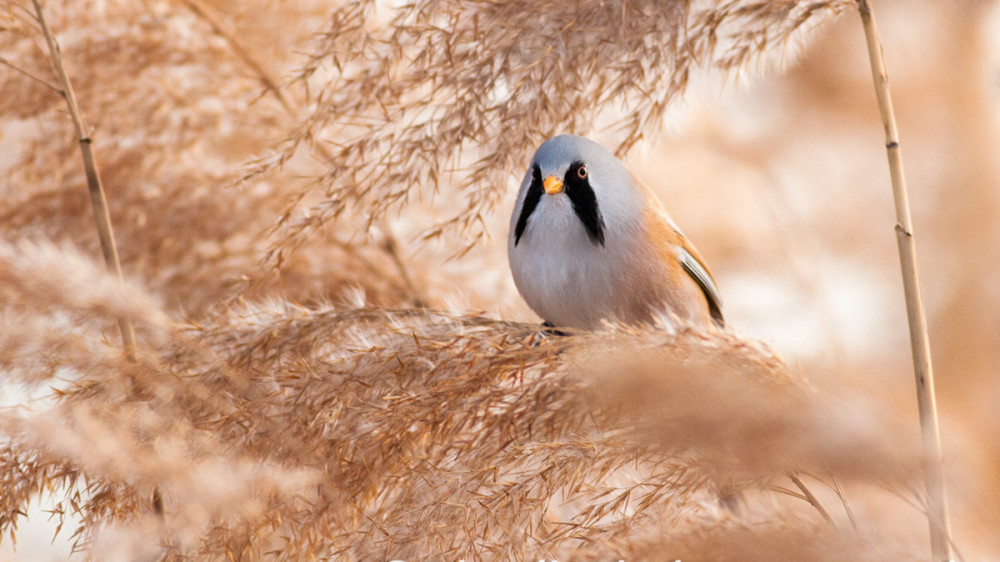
[(693, 265), (689, 257)]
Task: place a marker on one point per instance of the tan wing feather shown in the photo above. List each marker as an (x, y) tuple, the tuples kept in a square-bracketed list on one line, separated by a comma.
[(666, 234)]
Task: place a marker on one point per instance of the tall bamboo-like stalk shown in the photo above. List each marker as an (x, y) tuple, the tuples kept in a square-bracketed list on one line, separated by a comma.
[(937, 503), (97, 198)]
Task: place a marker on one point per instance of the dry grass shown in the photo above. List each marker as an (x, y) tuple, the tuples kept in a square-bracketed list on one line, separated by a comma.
[(363, 431), (436, 92), (287, 399)]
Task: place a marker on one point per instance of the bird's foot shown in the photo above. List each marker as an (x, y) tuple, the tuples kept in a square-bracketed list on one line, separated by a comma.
[(550, 330)]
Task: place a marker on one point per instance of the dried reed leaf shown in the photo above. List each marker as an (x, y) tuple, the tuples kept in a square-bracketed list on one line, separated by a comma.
[(431, 92)]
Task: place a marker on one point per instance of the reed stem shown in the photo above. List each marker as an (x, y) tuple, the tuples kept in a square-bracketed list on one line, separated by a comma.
[(98, 199), (937, 503)]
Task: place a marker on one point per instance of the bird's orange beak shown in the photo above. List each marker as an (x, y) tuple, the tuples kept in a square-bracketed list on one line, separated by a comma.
[(552, 185)]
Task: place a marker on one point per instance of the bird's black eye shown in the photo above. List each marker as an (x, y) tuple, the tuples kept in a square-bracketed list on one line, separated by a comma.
[(581, 195)]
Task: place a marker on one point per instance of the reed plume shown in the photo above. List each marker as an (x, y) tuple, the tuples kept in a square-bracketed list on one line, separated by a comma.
[(301, 385)]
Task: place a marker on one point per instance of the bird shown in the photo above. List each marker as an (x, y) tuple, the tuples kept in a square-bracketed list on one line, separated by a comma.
[(589, 243)]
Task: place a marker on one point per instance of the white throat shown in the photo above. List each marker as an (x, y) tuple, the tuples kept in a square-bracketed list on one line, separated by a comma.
[(565, 276)]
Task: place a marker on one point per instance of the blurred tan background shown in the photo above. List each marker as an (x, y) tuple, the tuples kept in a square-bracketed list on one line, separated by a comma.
[(785, 189), (780, 179)]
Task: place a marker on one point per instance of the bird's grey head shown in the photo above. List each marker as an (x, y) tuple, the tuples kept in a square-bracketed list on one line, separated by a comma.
[(597, 184), (556, 154)]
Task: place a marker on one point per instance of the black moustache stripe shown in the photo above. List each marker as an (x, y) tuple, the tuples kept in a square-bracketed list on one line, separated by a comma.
[(531, 200), (581, 194)]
